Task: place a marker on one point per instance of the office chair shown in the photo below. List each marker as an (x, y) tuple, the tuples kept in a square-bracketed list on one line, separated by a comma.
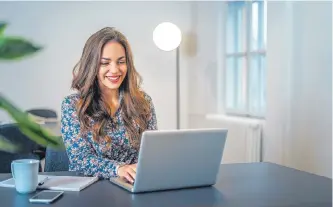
[(56, 160), (29, 149)]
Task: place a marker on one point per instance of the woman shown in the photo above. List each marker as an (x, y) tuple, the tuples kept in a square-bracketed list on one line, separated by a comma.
[(102, 123)]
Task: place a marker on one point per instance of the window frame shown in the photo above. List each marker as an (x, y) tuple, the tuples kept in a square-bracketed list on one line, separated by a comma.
[(247, 54)]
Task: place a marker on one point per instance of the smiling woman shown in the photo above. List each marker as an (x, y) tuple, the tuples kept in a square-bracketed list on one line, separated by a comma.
[(102, 123)]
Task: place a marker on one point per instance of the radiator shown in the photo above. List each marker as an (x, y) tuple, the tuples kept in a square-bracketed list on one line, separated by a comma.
[(244, 140)]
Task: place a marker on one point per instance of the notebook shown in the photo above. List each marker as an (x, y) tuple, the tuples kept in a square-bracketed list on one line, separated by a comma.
[(65, 183)]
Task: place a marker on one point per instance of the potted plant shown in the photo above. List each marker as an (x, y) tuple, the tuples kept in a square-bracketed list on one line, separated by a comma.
[(14, 48)]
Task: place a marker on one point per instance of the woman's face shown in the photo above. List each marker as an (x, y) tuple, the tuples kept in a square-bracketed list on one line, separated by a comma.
[(113, 66)]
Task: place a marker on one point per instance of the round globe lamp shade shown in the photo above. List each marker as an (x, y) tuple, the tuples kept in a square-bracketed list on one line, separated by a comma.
[(167, 36)]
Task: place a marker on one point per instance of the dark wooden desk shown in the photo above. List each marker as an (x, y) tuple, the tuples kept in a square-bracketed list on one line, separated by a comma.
[(250, 185)]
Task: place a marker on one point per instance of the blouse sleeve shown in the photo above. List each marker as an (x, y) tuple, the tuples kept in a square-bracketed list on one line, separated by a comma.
[(81, 154), (152, 121)]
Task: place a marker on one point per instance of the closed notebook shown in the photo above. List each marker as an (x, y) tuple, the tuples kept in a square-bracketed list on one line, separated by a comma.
[(65, 183)]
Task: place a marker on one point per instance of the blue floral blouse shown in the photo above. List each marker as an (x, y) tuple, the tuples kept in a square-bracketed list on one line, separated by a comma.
[(98, 159)]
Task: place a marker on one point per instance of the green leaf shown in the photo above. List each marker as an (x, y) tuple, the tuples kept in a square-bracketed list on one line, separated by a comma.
[(7, 146), (29, 127), (15, 48), (3, 26)]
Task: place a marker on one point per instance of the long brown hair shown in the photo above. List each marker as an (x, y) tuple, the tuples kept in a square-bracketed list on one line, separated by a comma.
[(135, 108)]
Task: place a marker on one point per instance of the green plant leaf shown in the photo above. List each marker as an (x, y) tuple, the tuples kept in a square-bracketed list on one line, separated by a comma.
[(15, 48), (7, 146), (3, 26), (29, 127)]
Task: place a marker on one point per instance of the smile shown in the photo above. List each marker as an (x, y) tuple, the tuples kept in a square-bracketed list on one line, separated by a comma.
[(113, 79)]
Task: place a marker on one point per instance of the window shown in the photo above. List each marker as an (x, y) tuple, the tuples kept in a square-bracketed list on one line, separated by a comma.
[(245, 58)]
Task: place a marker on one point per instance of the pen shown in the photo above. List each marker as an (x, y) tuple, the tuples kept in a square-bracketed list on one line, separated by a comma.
[(43, 181)]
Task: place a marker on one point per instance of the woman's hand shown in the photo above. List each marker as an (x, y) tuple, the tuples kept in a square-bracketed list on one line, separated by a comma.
[(127, 172)]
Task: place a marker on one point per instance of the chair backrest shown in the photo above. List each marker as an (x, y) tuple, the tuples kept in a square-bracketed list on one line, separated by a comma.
[(56, 160), (29, 149), (6, 158), (45, 113)]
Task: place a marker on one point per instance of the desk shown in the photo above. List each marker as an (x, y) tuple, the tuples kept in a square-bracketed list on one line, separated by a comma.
[(250, 185)]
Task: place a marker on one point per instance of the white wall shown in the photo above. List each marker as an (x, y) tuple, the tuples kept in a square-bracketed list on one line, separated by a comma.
[(205, 63), (298, 127), (63, 27)]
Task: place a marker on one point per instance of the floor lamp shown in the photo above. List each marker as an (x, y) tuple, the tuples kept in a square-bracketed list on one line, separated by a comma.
[(167, 37)]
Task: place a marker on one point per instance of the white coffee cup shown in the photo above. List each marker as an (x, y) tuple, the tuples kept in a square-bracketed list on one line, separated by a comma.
[(25, 174)]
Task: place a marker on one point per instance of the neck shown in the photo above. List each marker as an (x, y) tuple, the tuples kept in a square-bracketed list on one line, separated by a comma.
[(111, 97)]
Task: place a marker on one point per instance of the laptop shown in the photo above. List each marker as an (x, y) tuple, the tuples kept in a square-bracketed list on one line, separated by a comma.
[(176, 159)]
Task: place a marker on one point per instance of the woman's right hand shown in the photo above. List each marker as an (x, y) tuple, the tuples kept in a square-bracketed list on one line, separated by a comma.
[(127, 172)]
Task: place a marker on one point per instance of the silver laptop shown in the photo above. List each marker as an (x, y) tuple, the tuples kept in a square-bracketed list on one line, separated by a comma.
[(174, 159)]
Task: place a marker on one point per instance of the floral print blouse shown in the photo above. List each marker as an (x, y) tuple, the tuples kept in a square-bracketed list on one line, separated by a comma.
[(100, 159)]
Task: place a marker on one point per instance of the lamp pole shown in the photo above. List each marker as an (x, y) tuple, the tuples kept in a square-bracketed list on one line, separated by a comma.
[(177, 88), (167, 36)]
